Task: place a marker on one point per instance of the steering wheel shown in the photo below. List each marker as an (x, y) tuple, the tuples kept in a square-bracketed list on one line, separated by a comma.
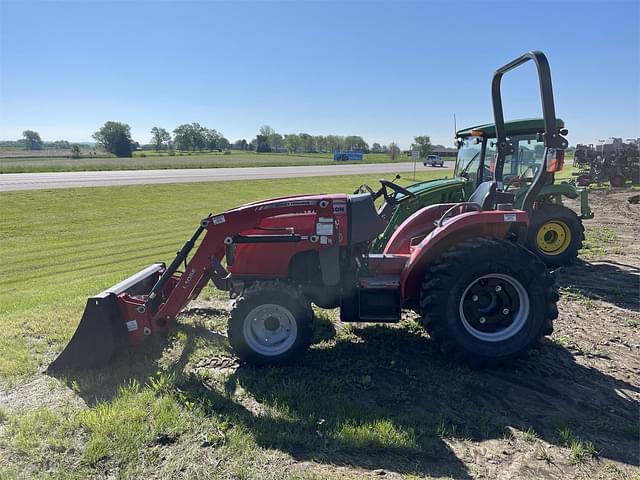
[(396, 189)]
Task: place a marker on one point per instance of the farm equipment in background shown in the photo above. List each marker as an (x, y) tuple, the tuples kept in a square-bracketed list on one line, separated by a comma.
[(348, 155), (611, 160), (461, 266), (556, 231)]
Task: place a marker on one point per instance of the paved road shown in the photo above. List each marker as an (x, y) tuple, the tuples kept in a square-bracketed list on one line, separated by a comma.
[(39, 181)]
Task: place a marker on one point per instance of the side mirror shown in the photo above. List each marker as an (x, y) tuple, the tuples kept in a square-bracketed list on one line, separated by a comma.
[(555, 160)]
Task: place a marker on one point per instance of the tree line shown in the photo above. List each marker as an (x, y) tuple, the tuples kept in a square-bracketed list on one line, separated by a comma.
[(31, 141), (268, 140), (115, 137)]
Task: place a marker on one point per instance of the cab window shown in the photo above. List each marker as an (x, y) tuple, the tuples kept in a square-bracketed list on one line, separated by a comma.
[(527, 157), (469, 159), (524, 162)]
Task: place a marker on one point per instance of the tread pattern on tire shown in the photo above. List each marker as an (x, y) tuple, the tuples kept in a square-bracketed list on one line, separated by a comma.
[(442, 275)]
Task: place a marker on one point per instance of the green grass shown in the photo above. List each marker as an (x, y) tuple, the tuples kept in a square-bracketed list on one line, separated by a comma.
[(600, 241), (180, 160), (529, 435), (579, 451), (61, 246)]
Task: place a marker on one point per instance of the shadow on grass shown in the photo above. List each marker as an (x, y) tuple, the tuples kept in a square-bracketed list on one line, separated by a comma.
[(613, 282), (137, 364), (380, 397)]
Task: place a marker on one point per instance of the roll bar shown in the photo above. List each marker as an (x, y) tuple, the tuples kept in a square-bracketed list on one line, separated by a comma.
[(551, 136)]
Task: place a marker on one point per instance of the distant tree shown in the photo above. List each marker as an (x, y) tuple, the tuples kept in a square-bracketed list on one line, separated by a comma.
[(213, 138), (75, 151), (241, 144), (223, 143), (334, 142), (275, 140), (376, 147), (319, 143), (266, 130), (355, 142), (199, 135), (182, 137), (262, 145), (160, 137), (59, 145), (394, 151), (32, 140), (306, 142), (292, 142), (192, 136), (115, 137), (422, 143)]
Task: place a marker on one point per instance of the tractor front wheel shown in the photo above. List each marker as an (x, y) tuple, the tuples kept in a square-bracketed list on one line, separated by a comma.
[(487, 301), (555, 234), (270, 323)]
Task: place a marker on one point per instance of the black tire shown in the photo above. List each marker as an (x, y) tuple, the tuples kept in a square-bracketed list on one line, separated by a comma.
[(447, 291), (283, 297), (584, 180), (555, 218), (616, 181)]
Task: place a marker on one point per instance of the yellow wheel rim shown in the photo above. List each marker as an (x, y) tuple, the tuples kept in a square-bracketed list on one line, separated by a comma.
[(554, 237)]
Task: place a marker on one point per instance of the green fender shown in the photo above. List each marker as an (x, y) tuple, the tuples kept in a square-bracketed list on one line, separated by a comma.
[(558, 190)]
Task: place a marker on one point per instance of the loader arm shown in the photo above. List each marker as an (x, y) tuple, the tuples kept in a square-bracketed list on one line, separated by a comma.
[(226, 229), (149, 301)]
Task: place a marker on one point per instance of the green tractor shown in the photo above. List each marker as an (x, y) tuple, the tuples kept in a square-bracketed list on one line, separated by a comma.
[(556, 231)]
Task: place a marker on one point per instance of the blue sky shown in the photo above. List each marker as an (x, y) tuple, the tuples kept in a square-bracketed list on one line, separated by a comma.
[(384, 70)]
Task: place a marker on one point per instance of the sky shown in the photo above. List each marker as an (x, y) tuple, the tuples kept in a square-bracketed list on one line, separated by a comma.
[(384, 70)]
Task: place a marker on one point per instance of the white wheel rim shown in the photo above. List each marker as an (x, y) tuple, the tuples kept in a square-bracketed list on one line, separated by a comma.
[(500, 313), (270, 329)]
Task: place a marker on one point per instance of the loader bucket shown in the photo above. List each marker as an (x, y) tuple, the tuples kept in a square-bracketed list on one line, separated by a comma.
[(102, 329)]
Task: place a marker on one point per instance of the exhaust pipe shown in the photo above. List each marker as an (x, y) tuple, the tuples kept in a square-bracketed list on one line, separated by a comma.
[(104, 326)]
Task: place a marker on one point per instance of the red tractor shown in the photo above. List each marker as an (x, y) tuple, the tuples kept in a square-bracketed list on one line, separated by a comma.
[(483, 297)]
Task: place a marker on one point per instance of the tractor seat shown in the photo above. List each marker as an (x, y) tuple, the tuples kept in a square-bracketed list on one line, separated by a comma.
[(484, 196)]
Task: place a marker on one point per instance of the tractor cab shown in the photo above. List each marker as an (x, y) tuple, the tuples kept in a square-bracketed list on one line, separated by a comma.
[(477, 150)]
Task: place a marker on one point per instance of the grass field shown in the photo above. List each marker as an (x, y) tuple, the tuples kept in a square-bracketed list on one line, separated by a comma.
[(364, 402), (180, 160)]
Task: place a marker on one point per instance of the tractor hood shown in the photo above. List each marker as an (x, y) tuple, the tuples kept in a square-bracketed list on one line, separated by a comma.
[(429, 186)]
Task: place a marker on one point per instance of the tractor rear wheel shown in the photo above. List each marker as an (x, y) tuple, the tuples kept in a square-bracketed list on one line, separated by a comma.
[(271, 322), (487, 301), (555, 234)]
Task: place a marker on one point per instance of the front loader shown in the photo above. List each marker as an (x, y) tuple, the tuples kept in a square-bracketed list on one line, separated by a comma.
[(483, 297)]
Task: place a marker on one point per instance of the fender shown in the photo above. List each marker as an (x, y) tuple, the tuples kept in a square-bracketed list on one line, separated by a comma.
[(461, 227), (417, 225), (564, 189)]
